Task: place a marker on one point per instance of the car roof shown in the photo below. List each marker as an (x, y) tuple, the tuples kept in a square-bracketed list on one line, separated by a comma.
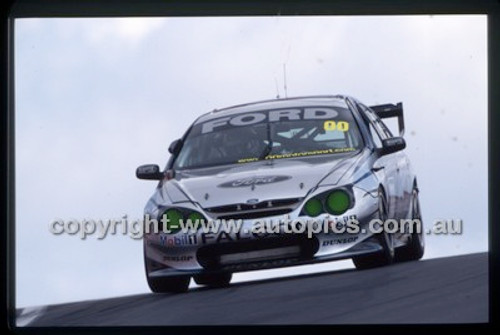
[(294, 102)]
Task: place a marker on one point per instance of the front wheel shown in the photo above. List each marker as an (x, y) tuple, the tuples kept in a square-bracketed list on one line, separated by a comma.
[(214, 279), (386, 240), (177, 284), (169, 284), (414, 249)]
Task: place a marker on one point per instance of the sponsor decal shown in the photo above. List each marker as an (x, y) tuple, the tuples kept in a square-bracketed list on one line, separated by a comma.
[(253, 181), (223, 236), (246, 119), (204, 238), (176, 241), (339, 241), (338, 224), (261, 264), (311, 153), (179, 258), (299, 154)]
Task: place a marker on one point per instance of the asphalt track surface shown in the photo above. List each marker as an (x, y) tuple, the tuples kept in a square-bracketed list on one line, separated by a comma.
[(442, 290)]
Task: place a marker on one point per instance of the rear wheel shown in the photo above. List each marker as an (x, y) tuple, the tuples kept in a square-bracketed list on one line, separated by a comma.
[(214, 279), (169, 284), (414, 249), (386, 240)]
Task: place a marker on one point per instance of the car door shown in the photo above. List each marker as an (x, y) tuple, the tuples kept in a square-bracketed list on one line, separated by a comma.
[(385, 166), (401, 165)]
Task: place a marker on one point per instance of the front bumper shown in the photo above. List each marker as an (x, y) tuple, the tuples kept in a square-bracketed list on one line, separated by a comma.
[(201, 252), (367, 247)]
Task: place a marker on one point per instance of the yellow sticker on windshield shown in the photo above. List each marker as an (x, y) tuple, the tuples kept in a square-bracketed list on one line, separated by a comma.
[(299, 154), (332, 125)]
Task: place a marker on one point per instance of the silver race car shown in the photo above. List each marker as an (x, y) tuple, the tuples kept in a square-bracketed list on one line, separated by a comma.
[(287, 167)]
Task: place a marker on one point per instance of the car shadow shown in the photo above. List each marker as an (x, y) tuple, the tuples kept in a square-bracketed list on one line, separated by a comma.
[(272, 280)]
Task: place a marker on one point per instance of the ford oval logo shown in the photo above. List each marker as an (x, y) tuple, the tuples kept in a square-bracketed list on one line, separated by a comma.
[(253, 181)]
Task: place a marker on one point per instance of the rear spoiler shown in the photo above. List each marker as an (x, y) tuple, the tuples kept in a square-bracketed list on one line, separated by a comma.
[(391, 110)]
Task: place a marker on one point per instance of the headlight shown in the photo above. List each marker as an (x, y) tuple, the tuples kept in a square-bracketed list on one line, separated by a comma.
[(337, 202), (334, 202), (196, 219), (175, 215), (313, 207)]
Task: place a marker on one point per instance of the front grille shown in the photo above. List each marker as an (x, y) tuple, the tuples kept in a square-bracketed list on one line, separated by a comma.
[(254, 211), (265, 249), (254, 214)]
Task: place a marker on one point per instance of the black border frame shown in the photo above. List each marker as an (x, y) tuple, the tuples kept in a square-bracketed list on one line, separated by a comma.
[(116, 8)]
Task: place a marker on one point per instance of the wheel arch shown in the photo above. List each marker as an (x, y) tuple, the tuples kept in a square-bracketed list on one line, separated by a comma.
[(381, 187)]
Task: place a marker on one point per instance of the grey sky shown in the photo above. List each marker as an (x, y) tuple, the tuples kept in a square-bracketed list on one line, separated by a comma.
[(95, 98)]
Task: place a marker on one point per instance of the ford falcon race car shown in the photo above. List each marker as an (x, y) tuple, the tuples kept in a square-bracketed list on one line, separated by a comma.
[(329, 159)]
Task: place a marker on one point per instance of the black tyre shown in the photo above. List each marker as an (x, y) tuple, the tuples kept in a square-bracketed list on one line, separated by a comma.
[(214, 279), (386, 240), (179, 284), (169, 284), (414, 250)]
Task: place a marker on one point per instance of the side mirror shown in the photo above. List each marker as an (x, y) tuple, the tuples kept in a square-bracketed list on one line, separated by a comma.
[(175, 147), (149, 172), (393, 144)]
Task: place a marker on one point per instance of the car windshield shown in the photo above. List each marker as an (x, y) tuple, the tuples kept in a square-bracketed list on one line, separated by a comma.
[(275, 134)]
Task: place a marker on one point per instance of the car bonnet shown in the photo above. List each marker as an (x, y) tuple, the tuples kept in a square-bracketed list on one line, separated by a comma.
[(257, 181)]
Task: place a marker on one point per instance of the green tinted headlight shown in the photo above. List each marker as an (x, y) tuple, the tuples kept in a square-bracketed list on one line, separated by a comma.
[(195, 216), (196, 219), (313, 207), (174, 217), (337, 202)]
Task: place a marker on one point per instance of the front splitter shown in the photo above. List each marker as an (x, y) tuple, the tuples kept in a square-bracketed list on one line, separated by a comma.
[(363, 248)]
